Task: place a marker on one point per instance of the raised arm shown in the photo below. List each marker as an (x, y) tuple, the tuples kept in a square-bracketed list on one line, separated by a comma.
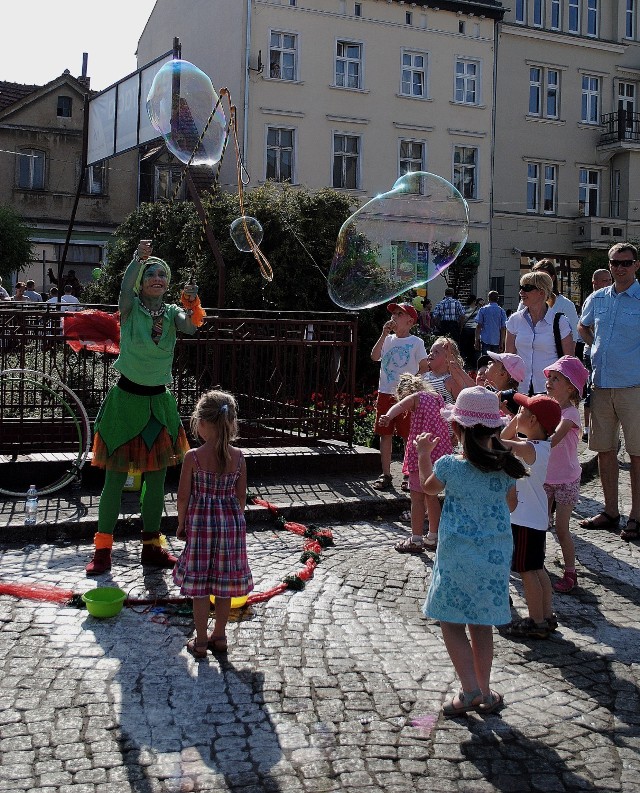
[(127, 295)]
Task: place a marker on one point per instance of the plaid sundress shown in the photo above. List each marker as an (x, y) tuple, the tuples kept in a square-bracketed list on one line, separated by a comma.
[(214, 560)]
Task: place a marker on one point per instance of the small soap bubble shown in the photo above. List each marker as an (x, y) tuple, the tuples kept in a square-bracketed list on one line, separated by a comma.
[(238, 232), (399, 240), (180, 102)]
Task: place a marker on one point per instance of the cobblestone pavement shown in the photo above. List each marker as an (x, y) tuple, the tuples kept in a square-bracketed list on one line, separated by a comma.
[(337, 687)]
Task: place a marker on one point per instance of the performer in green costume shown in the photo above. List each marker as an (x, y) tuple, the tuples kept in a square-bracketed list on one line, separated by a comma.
[(138, 427)]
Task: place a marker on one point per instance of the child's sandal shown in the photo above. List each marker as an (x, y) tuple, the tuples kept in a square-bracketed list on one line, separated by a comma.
[(198, 651), (217, 644), (491, 703), (450, 709)]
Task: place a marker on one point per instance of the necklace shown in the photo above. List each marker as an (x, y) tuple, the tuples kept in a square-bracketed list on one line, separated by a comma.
[(155, 312)]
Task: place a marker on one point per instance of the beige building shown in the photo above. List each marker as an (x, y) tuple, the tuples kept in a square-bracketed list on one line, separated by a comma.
[(567, 139), (350, 94), (41, 143)]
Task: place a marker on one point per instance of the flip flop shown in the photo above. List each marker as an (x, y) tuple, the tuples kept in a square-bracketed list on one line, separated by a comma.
[(383, 482), (600, 521)]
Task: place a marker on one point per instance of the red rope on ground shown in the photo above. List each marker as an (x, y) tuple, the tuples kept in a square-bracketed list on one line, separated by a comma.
[(314, 542)]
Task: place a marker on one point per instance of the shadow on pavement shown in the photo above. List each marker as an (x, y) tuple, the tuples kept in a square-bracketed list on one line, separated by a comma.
[(193, 725)]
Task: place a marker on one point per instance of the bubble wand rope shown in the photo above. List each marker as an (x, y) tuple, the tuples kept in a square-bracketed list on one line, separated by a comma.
[(263, 263)]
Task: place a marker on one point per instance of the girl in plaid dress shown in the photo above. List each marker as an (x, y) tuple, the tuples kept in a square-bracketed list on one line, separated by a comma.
[(211, 501)]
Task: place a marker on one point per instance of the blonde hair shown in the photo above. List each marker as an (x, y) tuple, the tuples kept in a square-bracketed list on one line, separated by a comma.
[(455, 350), (218, 408), (412, 384), (541, 281)]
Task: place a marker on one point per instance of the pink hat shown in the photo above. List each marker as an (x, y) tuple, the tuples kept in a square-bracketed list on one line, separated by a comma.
[(473, 406), (512, 363), (406, 308), (572, 369)]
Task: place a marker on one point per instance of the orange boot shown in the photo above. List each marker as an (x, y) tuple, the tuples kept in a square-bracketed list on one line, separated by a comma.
[(154, 553), (101, 561)]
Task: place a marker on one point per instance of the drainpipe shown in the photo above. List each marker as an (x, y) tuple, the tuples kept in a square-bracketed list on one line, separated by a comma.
[(245, 107), (493, 142)]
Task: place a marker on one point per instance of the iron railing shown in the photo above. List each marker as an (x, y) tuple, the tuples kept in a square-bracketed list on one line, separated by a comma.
[(623, 125), (293, 373)]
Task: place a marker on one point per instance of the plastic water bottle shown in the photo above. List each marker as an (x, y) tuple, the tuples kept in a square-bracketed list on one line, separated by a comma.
[(31, 506)]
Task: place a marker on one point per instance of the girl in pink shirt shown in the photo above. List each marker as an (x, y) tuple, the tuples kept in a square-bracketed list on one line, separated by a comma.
[(566, 379)]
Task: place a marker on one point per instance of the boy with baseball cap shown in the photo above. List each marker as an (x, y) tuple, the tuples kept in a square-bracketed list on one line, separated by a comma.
[(536, 420), (398, 352)]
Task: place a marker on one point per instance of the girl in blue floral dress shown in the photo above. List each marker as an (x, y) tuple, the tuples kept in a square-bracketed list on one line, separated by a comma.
[(470, 580)]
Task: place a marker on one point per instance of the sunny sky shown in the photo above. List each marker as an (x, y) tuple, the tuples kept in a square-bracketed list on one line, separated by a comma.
[(44, 38)]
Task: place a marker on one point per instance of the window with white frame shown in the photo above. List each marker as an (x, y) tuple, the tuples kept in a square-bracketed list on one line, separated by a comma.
[(465, 170), (556, 20), (280, 154), (544, 92), (537, 13), (31, 164), (348, 64), (541, 188), (94, 178), (412, 157), (166, 179), (592, 17), (616, 183), (413, 79), (283, 55), (357, 9), (630, 19), (467, 84), (346, 161), (521, 11), (574, 16), (590, 99), (589, 193)]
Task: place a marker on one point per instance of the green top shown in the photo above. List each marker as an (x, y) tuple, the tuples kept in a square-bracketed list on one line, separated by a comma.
[(141, 359)]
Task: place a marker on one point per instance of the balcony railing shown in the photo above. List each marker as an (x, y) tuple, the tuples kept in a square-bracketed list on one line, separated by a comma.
[(622, 126), (293, 373)]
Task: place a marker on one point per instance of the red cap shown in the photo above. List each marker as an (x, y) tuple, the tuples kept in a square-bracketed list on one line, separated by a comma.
[(406, 308), (545, 409)]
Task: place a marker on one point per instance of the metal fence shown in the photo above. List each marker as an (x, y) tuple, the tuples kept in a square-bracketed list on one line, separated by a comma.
[(293, 373)]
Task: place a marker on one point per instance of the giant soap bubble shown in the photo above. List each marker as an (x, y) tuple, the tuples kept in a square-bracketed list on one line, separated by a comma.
[(245, 229), (180, 102), (399, 240)]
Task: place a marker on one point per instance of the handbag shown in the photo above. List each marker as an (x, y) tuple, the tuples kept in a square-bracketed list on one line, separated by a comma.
[(556, 334)]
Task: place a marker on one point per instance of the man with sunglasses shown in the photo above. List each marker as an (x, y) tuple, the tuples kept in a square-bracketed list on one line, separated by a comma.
[(610, 323)]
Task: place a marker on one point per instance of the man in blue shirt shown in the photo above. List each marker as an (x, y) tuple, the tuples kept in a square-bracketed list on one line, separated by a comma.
[(491, 327), (610, 323)]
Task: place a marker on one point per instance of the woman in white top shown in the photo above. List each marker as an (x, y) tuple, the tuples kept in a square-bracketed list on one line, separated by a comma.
[(530, 331), (563, 304)]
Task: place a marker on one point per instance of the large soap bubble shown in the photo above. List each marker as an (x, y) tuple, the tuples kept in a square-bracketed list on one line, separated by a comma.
[(180, 102), (238, 231), (398, 241)]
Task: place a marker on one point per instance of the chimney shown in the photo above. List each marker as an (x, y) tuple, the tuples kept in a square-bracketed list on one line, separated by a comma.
[(83, 79)]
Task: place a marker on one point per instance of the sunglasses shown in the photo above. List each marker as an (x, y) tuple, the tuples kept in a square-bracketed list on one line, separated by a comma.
[(622, 262), (528, 288)]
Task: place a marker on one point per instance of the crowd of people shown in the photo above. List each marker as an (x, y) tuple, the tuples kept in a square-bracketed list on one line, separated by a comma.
[(25, 291), (501, 444)]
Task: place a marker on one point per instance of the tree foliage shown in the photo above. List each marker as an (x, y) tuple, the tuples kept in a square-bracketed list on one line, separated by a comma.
[(300, 230), (16, 248)]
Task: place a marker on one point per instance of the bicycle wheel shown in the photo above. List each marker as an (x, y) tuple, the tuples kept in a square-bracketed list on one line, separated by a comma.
[(41, 413)]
